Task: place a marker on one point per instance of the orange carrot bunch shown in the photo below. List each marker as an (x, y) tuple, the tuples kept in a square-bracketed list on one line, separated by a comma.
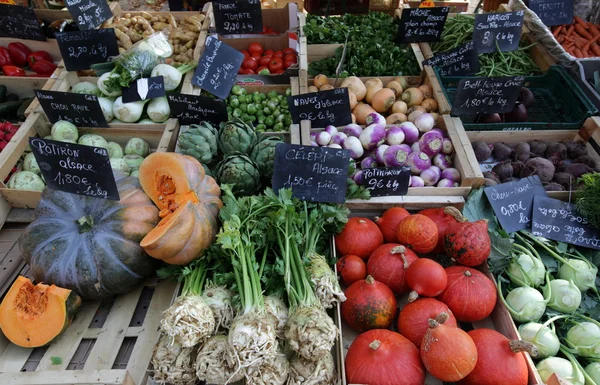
[(581, 39)]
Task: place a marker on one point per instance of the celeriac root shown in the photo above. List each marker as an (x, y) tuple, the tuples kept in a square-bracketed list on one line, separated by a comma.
[(326, 285), (253, 339), (277, 312), (305, 372), (219, 300), (216, 362), (189, 320), (273, 371), (310, 332), (172, 363)]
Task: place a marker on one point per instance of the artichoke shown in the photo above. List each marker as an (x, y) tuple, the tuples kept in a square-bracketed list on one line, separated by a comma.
[(236, 136), (200, 142), (241, 172), (264, 155)]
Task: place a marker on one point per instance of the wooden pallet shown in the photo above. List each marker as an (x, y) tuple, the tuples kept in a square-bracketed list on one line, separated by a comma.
[(109, 342)]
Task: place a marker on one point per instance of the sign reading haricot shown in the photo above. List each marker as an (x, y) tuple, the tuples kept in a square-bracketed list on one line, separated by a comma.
[(89, 14), (80, 109), (81, 49), (486, 95), (322, 108), (316, 174), (190, 109), (19, 22), (418, 25), (386, 181), (498, 31), (461, 61), (237, 16), (553, 12), (76, 169)]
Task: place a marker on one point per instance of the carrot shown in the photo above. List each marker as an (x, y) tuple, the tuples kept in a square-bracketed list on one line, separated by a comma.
[(594, 30), (595, 48), (580, 21), (582, 31), (570, 29), (568, 45), (589, 43), (557, 31), (578, 53), (561, 39)]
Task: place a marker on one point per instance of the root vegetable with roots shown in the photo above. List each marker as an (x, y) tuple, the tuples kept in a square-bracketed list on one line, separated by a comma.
[(219, 300), (216, 363), (172, 363), (306, 372), (310, 332), (278, 312), (326, 284), (274, 371)]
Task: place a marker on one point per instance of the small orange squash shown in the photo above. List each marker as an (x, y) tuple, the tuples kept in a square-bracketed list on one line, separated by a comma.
[(189, 203), (34, 315), (419, 233)]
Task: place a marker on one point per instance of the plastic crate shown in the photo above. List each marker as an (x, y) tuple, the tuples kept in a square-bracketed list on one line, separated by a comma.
[(584, 70), (560, 103)]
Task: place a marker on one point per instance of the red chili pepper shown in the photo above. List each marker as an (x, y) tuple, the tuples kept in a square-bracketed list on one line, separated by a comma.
[(18, 53), (39, 55), (43, 67), (5, 59), (13, 71)]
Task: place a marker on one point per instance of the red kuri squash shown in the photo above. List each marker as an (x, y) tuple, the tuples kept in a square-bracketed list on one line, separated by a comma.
[(388, 264), (447, 352), (419, 233), (469, 294), (383, 357), (500, 361), (369, 305), (414, 318), (360, 237), (443, 217), (351, 269), (426, 277), (388, 223), (468, 243)]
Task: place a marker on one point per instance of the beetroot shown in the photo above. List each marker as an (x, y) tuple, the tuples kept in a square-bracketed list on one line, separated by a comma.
[(503, 170), (578, 169), (489, 182), (517, 167), (556, 149), (553, 187), (522, 152), (543, 168), (511, 179), (492, 175), (557, 162), (564, 179), (518, 114), (575, 149), (482, 150), (538, 147), (586, 159), (502, 151), (526, 97)]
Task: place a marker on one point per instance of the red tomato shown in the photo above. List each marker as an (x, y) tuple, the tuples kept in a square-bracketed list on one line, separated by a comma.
[(278, 54), (278, 72), (276, 64), (246, 53), (250, 63), (250, 71), (264, 61), (241, 71), (262, 68), (291, 57), (256, 56), (256, 48), (268, 52), (288, 51)]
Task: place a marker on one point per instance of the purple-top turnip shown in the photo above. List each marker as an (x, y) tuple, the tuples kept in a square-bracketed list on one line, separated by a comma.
[(323, 138), (411, 132), (416, 181), (372, 136), (395, 156), (353, 144), (331, 130), (352, 130), (447, 183), (442, 161), (394, 135), (447, 146), (418, 162), (338, 138), (452, 174), (424, 122), (431, 143), (375, 118), (378, 154), (368, 163)]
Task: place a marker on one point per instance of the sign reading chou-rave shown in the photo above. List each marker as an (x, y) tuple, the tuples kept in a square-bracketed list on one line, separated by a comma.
[(80, 109)]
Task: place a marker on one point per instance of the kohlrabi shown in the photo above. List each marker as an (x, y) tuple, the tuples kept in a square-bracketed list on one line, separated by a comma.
[(524, 303), (562, 367), (525, 269), (541, 336), (583, 338), (563, 296), (593, 371), (581, 271)]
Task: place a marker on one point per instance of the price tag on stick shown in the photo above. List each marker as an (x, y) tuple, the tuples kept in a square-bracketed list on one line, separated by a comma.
[(316, 174), (81, 49), (461, 61), (419, 25), (237, 16), (553, 12), (190, 109), (486, 95), (80, 109), (20, 22), (512, 202), (323, 108), (495, 31), (218, 68), (386, 181), (76, 169), (560, 221), (89, 14)]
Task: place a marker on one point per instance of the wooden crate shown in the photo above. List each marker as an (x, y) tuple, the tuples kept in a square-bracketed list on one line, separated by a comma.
[(456, 6), (109, 342), (589, 133), (36, 125)]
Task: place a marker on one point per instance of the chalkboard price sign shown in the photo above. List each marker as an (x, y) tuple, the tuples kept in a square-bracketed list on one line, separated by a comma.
[(513, 202), (81, 49), (495, 31), (323, 108), (553, 12), (560, 221), (80, 109), (419, 25), (76, 169), (144, 89), (237, 16), (486, 95), (191, 109), (461, 61), (19, 22), (386, 181), (218, 68), (89, 14), (316, 174)]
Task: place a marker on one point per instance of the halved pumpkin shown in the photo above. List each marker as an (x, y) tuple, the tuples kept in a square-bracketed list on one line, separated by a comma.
[(34, 315), (189, 203)]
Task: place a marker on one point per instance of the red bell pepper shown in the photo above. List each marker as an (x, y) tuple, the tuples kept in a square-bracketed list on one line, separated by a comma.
[(18, 53), (13, 71), (43, 67), (5, 59), (39, 55)]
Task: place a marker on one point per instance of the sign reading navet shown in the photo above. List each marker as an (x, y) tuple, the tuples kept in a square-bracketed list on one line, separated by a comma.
[(80, 109), (316, 174), (76, 169), (553, 12), (190, 109), (144, 89), (237, 16), (560, 221), (461, 61), (486, 95), (19, 22), (512, 202), (323, 108), (81, 49), (386, 181), (419, 25), (498, 31), (89, 14), (218, 68)]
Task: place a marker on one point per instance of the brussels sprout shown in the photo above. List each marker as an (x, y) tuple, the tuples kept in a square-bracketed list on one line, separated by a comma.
[(93, 140), (114, 150), (26, 180), (137, 146), (30, 164), (64, 131)]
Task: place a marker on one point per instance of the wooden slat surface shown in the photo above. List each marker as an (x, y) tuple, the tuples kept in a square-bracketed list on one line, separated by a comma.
[(10, 258)]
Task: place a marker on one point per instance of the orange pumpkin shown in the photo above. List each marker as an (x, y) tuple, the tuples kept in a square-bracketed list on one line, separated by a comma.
[(419, 233), (189, 203)]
